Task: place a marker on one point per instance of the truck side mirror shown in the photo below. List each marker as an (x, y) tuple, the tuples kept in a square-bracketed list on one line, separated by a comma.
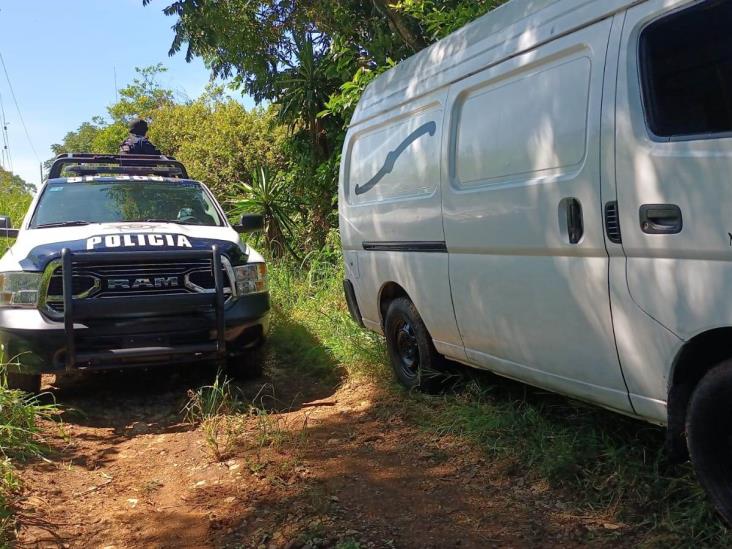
[(6, 228), (248, 223)]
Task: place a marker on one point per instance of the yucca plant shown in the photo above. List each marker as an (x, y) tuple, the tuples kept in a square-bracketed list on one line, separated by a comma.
[(270, 197)]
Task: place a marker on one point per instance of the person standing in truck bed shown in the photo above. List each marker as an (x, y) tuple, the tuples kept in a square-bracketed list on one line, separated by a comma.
[(137, 142)]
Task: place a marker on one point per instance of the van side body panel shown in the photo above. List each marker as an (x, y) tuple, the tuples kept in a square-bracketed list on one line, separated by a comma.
[(391, 215), (681, 282), (512, 294), (523, 137), (511, 29), (642, 343)]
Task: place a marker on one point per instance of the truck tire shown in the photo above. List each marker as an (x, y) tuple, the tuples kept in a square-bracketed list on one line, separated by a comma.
[(412, 355), (248, 364), (30, 383), (709, 436)]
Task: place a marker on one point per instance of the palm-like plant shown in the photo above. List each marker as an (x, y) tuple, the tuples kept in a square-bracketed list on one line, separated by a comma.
[(269, 197), (304, 92)]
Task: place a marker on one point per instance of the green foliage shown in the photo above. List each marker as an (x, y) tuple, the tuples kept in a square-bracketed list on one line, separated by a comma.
[(303, 93), (13, 185), (219, 398), (21, 418), (143, 97), (250, 42), (15, 197), (312, 60), (343, 102), (271, 198), (97, 136), (438, 18), (313, 330), (214, 408), (220, 142)]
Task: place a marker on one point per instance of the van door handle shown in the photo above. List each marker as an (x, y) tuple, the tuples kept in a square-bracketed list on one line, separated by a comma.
[(661, 219), (571, 210)]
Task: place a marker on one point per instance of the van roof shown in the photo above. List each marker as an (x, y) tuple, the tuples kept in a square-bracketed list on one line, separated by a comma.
[(518, 25)]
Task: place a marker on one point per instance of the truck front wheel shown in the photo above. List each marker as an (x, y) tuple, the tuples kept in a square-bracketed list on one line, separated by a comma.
[(30, 383), (246, 364), (709, 436)]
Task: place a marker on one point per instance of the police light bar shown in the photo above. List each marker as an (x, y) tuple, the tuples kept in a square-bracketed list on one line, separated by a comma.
[(164, 171), (132, 164)]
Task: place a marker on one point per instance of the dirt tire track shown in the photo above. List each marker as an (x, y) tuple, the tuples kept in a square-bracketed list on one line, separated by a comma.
[(129, 473)]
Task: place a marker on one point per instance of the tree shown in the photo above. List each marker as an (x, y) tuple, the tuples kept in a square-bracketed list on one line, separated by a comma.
[(143, 98), (15, 197), (297, 54), (438, 18), (219, 141), (14, 184)]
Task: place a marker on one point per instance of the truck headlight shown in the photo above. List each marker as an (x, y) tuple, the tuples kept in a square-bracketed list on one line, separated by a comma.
[(251, 279), (19, 289)]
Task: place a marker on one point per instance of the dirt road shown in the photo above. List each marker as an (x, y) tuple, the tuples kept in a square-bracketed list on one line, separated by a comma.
[(326, 466)]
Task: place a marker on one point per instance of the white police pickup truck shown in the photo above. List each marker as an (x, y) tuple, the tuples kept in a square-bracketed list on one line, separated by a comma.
[(124, 261)]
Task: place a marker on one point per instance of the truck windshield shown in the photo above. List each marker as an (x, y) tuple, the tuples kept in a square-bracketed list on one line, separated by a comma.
[(116, 201)]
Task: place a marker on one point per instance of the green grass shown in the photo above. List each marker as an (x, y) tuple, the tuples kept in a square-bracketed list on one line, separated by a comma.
[(312, 328), (15, 206), (597, 462), (217, 408), (21, 439)]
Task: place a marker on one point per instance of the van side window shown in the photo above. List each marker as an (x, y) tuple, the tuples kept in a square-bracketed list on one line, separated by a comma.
[(686, 67)]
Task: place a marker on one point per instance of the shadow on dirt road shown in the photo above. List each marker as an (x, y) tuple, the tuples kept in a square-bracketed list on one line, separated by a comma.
[(325, 461)]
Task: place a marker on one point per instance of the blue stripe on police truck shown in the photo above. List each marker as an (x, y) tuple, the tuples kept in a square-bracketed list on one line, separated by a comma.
[(40, 256)]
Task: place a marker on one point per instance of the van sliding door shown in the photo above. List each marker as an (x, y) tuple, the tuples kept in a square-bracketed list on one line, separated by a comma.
[(523, 219), (674, 188)]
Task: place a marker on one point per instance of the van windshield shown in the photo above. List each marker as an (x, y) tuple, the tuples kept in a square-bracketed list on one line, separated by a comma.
[(119, 201)]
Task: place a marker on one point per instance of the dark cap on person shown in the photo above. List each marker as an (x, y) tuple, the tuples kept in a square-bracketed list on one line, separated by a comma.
[(138, 127)]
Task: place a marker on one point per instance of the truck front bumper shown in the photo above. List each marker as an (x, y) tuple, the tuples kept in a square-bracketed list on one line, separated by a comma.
[(37, 344)]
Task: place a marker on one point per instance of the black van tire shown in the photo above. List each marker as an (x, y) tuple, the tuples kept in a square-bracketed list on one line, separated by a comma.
[(412, 355), (30, 383), (709, 436)]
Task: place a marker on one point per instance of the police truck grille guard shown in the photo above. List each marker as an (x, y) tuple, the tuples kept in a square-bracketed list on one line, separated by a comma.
[(80, 309), (159, 276)]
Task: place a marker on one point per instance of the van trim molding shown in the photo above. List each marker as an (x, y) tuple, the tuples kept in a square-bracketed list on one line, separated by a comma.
[(432, 246)]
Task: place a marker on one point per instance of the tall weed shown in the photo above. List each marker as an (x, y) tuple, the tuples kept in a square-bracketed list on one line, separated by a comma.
[(216, 409), (21, 438), (311, 316)]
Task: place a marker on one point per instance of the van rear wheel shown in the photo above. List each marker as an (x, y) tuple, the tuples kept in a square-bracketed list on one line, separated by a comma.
[(412, 355), (709, 436)]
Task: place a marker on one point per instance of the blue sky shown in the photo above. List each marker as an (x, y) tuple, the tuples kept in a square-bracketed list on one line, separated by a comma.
[(61, 57)]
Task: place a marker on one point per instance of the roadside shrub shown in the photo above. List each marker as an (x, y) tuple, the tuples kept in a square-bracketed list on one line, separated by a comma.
[(217, 408)]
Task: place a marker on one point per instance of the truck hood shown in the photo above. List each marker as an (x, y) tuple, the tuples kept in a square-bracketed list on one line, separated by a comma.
[(35, 248)]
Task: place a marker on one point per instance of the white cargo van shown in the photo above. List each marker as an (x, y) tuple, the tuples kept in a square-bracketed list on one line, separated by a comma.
[(546, 194)]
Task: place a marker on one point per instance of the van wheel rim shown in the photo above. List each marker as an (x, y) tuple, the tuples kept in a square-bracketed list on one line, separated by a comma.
[(407, 348)]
